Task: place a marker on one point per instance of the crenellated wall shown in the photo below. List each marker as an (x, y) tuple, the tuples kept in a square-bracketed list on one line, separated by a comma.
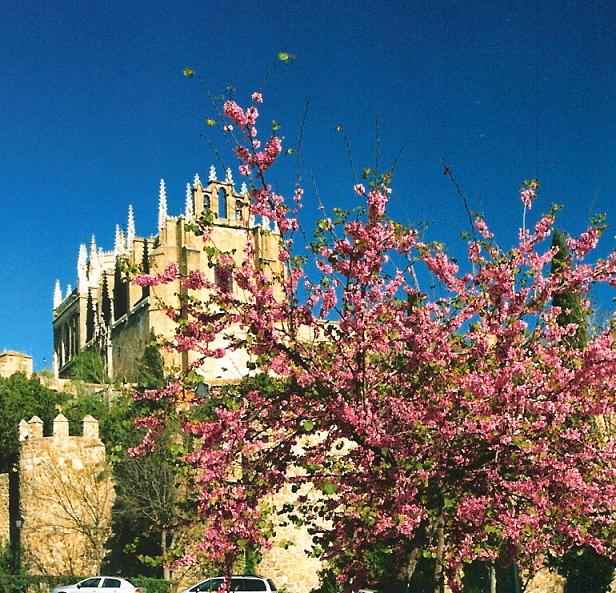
[(66, 494)]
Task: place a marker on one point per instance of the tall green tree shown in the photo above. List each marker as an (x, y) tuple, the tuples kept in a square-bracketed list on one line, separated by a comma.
[(586, 571), (151, 368), (21, 398), (88, 366), (570, 303)]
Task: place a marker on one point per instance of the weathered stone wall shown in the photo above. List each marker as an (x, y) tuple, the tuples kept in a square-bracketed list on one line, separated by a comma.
[(15, 362), (546, 581), (4, 510), (287, 562), (66, 495)]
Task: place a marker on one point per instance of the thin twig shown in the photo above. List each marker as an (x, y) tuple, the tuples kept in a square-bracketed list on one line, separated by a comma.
[(377, 143), (449, 173), (299, 142)]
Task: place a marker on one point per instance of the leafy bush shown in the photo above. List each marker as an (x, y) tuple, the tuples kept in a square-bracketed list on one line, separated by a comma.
[(149, 585), (44, 584), (34, 584)]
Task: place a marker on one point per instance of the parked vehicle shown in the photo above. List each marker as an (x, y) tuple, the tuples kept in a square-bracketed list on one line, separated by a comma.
[(245, 584), (99, 585)]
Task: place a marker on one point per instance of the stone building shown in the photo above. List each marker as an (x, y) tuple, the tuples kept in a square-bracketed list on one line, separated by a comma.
[(15, 362), (64, 499), (109, 314)]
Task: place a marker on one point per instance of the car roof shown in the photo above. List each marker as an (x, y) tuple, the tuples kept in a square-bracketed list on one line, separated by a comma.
[(106, 576), (238, 576)]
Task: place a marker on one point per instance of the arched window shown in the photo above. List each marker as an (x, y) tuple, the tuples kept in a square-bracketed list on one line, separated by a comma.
[(222, 203), (238, 210), (207, 203)]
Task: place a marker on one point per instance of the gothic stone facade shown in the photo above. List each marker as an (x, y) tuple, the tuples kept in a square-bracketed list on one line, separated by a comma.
[(109, 314)]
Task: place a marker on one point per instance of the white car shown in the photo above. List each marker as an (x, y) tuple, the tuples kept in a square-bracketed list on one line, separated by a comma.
[(245, 584), (99, 585)]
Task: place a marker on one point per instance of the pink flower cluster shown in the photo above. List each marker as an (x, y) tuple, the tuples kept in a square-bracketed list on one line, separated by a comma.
[(482, 228), (262, 160), (527, 196), (585, 242), (377, 201), (170, 273), (242, 118)]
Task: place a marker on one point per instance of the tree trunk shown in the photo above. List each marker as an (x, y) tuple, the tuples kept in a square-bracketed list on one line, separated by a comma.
[(411, 566), (439, 576), (492, 578), (163, 546)]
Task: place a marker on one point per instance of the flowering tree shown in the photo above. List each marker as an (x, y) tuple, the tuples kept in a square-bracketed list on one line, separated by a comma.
[(465, 426)]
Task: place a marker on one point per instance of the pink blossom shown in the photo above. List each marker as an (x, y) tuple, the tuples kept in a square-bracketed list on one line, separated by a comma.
[(527, 196), (377, 201), (482, 228), (586, 242), (257, 97)]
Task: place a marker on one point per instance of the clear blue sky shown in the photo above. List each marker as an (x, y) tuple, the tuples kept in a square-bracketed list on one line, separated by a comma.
[(95, 110)]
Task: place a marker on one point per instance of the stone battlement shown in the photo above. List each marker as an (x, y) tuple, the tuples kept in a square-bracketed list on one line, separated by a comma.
[(33, 428)]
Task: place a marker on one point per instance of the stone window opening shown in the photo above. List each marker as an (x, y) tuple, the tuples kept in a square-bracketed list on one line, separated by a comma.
[(238, 210), (222, 203)]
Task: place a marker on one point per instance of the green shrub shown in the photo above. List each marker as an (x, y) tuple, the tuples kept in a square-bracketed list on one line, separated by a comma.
[(33, 584), (44, 584), (150, 585)]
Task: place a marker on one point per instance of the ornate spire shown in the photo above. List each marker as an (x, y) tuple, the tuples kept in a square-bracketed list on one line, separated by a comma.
[(162, 205), (93, 250), (130, 228), (189, 203), (265, 223), (212, 176), (69, 289), (197, 180), (82, 258), (229, 176), (57, 295), (82, 269), (94, 268), (118, 243), (244, 189)]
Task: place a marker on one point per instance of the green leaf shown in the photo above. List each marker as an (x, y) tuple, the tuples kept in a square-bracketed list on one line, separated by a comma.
[(210, 121), (289, 151), (275, 125), (329, 488), (188, 72), (307, 425), (283, 56)]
